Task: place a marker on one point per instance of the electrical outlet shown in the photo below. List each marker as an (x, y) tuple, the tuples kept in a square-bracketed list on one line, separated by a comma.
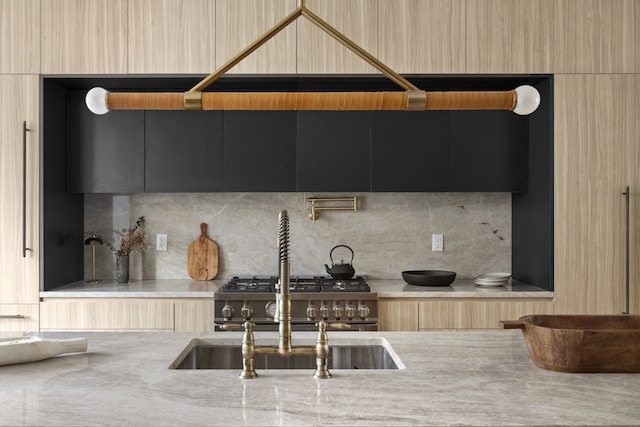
[(437, 242), (161, 242)]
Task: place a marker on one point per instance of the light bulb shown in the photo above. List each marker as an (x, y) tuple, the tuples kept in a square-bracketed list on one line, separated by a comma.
[(527, 100), (96, 101)]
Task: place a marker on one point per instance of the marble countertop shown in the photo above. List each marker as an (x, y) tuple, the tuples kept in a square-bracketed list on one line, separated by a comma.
[(164, 288), (460, 288), (187, 288), (451, 378)]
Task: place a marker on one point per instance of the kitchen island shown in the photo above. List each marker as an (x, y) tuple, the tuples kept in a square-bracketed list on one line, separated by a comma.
[(450, 377)]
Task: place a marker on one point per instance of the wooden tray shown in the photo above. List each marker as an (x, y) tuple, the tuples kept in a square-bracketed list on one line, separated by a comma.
[(581, 343)]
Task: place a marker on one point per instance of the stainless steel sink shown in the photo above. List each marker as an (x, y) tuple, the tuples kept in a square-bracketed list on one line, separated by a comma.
[(199, 355)]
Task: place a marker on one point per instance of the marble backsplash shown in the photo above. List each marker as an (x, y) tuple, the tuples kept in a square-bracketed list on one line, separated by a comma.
[(390, 232)]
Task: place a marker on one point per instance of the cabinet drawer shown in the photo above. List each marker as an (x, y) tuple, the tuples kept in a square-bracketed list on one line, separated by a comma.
[(106, 315), (19, 317)]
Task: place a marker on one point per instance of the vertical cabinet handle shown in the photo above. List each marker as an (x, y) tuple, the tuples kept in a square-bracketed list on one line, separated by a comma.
[(24, 189), (627, 254)]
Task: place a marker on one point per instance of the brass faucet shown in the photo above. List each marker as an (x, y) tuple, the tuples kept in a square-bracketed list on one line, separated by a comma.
[(283, 317)]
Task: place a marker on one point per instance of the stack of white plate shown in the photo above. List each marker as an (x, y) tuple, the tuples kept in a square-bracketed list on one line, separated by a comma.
[(492, 279)]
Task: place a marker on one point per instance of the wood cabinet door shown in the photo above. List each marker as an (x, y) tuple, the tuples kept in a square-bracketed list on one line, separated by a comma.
[(105, 154), (396, 315), (19, 318), (411, 151), (171, 36), (634, 279), (594, 36), (240, 23), (318, 52), (333, 151), (260, 151), (422, 36), (509, 36), (477, 314), (594, 160), (19, 222), (20, 36), (106, 314), (193, 316), (84, 36), (183, 151)]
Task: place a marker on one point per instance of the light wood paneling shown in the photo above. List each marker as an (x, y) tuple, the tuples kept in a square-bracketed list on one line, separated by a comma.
[(105, 314), (509, 36), (320, 53), (84, 36), (20, 36), (29, 323), (194, 316), (594, 36), (397, 315), (636, 29), (18, 274), (171, 36), (634, 279), (476, 314), (422, 36), (594, 130), (240, 22)]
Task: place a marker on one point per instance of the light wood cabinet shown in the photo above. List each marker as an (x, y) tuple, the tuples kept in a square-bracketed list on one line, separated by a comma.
[(476, 314), (317, 52), (171, 36), (594, 36), (594, 161), (397, 315), (426, 313), (19, 223), (20, 36), (84, 36), (636, 47), (240, 22), (509, 36), (634, 264), (106, 315), (19, 318), (194, 316), (422, 36), (126, 314)]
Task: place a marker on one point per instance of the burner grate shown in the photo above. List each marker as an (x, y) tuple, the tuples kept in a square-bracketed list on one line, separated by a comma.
[(267, 284)]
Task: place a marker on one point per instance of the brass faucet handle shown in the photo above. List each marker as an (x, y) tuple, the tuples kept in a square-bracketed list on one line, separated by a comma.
[(231, 326), (339, 325)]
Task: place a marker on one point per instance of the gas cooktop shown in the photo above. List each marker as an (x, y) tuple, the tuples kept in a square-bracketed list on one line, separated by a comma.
[(267, 284)]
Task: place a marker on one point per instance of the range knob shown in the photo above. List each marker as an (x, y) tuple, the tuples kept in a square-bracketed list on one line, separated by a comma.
[(246, 311), (312, 311), (363, 311), (338, 310), (271, 309), (325, 311), (228, 311), (350, 311)]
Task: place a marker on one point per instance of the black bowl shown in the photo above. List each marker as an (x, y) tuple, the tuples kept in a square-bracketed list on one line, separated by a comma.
[(429, 277)]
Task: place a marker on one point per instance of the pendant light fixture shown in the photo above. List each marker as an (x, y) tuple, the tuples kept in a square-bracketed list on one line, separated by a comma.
[(523, 100)]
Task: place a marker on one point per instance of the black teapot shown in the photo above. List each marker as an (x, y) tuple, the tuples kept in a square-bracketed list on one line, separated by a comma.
[(341, 271)]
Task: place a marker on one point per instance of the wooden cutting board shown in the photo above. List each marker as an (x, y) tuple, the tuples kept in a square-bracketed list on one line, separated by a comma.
[(202, 258)]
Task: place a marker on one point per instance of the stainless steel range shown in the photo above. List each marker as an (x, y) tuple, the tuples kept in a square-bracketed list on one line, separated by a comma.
[(313, 298)]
